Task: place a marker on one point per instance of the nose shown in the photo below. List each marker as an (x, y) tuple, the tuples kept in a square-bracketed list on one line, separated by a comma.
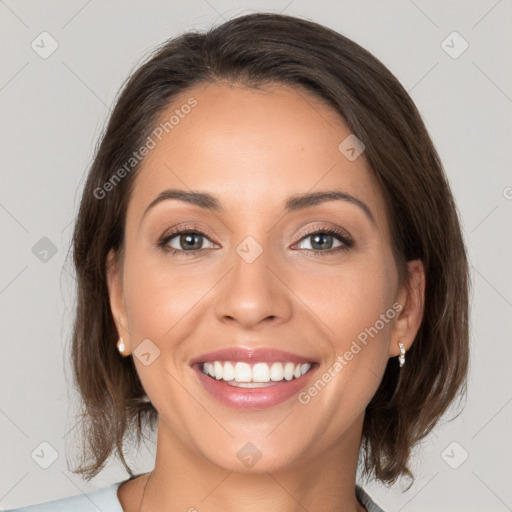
[(254, 293)]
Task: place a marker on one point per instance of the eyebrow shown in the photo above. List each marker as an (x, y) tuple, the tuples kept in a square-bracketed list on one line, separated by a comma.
[(293, 203)]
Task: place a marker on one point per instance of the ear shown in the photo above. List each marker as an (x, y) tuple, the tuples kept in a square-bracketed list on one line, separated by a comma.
[(116, 297), (411, 297)]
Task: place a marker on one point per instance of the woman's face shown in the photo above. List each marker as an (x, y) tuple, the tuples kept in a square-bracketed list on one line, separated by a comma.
[(262, 275)]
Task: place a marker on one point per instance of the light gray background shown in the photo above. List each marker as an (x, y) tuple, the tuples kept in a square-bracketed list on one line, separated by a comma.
[(52, 113)]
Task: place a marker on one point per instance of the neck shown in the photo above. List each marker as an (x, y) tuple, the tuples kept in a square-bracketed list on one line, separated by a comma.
[(183, 480)]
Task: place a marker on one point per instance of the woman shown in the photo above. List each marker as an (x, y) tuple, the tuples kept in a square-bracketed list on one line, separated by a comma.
[(271, 270)]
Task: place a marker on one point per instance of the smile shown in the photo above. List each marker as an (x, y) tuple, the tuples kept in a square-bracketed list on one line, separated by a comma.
[(253, 378), (245, 375)]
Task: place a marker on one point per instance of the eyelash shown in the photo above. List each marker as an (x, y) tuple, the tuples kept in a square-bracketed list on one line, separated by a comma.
[(347, 241)]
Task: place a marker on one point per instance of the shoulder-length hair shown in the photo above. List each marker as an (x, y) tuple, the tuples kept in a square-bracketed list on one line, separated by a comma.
[(254, 50)]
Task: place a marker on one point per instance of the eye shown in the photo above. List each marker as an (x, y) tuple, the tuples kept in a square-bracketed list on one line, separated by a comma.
[(324, 239), (184, 240), (190, 240)]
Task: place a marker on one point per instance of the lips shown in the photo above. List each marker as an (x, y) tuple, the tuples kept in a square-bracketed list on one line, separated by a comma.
[(257, 396), (248, 355)]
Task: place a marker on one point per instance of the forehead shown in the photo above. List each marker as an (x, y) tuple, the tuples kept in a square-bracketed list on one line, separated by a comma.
[(251, 148)]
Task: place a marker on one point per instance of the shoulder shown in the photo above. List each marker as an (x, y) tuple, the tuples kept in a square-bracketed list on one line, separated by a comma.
[(104, 499), (366, 500)]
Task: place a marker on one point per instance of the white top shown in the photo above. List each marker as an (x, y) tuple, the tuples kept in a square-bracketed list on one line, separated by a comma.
[(105, 499)]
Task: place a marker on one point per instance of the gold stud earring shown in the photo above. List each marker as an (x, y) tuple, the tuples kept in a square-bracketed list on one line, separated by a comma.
[(401, 357)]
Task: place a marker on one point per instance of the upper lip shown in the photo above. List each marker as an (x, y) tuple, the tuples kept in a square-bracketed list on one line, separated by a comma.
[(251, 355)]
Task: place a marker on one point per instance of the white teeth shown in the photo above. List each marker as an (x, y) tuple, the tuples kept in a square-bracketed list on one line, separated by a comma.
[(288, 371), (228, 372), (260, 373), (304, 368), (251, 384), (218, 370), (276, 372), (244, 375), (242, 372)]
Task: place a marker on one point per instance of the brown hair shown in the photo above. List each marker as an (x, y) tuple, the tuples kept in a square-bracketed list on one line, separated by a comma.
[(254, 50)]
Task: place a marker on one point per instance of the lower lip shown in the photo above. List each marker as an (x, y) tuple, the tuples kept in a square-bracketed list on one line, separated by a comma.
[(253, 398)]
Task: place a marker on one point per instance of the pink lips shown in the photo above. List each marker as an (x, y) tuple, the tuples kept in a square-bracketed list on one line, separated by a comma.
[(251, 355), (252, 398)]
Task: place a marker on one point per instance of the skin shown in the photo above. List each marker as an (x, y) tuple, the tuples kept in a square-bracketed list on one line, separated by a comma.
[(253, 149)]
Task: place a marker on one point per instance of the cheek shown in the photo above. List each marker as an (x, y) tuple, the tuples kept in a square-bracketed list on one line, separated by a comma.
[(157, 295), (359, 313), (350, 299), (366, 296), (159, 303)]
